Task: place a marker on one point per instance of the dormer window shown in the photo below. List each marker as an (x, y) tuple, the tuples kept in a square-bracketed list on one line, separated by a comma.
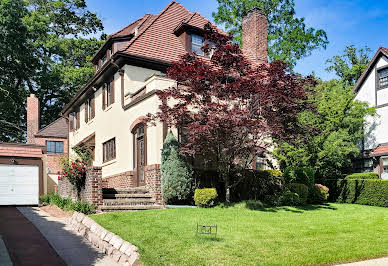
[(383, 78), (196, 44)]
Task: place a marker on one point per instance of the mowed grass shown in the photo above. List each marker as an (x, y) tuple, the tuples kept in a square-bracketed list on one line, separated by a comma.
[(325, 234)]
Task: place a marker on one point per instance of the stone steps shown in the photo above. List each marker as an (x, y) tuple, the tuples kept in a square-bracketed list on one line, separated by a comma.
[(128, 199), (131, 201), (132, 190), (127, 195), (105, 208)]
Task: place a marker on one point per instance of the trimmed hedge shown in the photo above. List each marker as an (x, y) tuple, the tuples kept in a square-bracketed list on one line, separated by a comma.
[(360, 191), (205, 197), (363, 176)]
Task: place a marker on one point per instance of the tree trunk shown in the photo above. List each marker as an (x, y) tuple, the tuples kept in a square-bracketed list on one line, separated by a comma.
[(227, 187)]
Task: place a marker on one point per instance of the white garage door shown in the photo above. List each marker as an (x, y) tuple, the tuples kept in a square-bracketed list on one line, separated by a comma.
[(19, 184)]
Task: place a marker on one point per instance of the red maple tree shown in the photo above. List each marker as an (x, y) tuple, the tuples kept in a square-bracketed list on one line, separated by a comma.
[(229, 106)]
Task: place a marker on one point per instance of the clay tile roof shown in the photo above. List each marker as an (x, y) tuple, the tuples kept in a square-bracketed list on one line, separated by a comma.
[(380, 150), (130, 29), (157, 40), (57, 129)]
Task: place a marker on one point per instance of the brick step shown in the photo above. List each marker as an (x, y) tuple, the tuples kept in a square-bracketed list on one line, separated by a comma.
[(133, 201), (136, 190), (126, 196), (130, 207)]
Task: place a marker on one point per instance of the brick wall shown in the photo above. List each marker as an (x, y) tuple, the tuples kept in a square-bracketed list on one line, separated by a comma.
[(91, 193), (33, 116), (122, 180), (254, 35), (52, 160), (152, 179)]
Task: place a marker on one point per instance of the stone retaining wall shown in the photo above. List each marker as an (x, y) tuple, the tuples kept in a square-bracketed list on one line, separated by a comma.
[(91, 193), (121, 251)]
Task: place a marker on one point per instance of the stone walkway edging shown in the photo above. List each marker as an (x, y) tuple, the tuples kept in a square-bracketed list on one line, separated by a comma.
[(121, 251)]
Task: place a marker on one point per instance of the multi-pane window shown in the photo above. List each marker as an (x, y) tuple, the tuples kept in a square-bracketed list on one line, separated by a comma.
[(383, 78), (108, 94), (89, 109), (196, 44), (103, 60), (54, 146), (109, 150), (384, 172), (261, 163)]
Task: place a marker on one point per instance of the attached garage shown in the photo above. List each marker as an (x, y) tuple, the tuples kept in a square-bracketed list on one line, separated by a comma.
[(21, 173)]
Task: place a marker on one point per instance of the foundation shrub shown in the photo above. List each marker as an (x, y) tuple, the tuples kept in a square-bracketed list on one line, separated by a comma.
[(206, 197)]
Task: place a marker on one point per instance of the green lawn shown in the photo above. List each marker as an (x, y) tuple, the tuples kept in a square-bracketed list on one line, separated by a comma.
[(268, 236)]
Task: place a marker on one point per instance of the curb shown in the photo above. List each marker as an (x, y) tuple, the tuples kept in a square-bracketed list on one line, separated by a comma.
[(119, 250)]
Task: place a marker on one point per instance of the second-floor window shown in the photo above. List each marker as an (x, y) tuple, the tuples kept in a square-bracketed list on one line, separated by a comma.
[(89, 109), (54, 147), (383, 78), (196, 44), (108, 96), (103, 60), (109, 150)]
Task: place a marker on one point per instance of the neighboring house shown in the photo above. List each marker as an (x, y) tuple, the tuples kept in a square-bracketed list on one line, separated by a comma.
[(29, 170), (107, 115), (53, 137), (372, 88)]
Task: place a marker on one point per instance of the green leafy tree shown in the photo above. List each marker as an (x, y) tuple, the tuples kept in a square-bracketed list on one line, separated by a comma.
[(176, 172), (334, 130), (350, 65), (288, 37), (43, 52)]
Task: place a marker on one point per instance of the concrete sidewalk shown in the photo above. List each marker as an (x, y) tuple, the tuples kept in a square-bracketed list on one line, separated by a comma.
[(376, 262), (73, 249)]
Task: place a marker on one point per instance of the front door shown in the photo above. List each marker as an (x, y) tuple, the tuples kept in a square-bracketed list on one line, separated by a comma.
[(140, 156)]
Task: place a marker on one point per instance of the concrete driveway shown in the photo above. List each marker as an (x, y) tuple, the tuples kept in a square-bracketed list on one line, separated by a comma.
[(74, 249), (25, 244)]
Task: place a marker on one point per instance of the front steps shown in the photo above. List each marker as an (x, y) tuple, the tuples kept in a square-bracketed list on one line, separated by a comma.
[(128, 199)]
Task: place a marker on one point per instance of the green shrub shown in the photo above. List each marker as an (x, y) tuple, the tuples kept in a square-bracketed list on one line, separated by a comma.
[(176, 172), (67, 204), (363, 176), (289, 198), (360, 191), (302, 175), (301, 189), (205, 197), (320, 194), (84, 207)]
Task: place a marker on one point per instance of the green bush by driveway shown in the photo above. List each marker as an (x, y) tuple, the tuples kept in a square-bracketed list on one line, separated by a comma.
[(251, 234)]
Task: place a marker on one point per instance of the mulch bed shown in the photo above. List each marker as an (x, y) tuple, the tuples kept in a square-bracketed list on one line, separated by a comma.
[(56, 211)]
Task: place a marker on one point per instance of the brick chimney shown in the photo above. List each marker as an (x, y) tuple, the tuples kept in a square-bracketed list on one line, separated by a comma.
[(33, 117), (254, 35)]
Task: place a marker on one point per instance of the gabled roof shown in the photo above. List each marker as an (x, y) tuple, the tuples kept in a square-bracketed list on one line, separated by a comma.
[(382, 149), (57, 129), (130, 29), (361, 79)]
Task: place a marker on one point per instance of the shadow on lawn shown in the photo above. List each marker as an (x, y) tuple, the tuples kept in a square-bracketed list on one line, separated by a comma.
[(259, 206)]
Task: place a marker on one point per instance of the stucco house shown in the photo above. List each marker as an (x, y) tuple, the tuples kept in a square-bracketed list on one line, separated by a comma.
[(107, 114), (372, 88)]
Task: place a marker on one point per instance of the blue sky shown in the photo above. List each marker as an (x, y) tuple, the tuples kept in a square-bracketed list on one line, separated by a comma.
[(358, 22)]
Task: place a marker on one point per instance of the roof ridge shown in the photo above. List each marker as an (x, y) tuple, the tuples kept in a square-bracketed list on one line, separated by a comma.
[(117, 32), (152, 22)]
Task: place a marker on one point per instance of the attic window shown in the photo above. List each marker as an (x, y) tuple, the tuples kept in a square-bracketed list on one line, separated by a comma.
[(383, 78), (196, 44)]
